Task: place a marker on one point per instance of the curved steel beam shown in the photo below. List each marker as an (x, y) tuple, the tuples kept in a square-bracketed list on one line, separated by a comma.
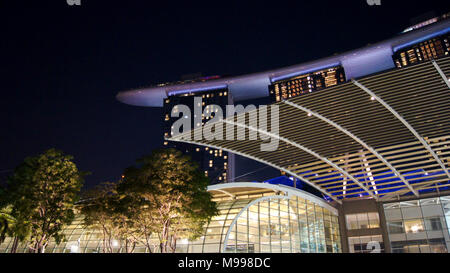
[(289, 191), (226, 193), (262, 161), (357, 139), (407, 125), (446, 80), (324, 159)]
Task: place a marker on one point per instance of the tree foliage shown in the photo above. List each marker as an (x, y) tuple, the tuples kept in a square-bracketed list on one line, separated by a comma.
[(42, 192), (166, 194), (6, 223), (102, 211)]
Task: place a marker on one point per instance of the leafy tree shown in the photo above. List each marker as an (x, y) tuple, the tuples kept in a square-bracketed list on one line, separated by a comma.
[(141, 220), (42, 192), (166, 195), (9, 226), (6, 223), (102, 211)]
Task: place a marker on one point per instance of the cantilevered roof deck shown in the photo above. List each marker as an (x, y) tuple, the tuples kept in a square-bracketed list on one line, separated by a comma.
[(379, 136)]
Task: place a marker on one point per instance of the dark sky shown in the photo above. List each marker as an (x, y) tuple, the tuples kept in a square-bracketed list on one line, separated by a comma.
[(61, 66)]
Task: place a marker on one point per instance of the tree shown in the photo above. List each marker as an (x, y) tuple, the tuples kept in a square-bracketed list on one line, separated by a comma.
[(167, 195), (102, 211), (9, 226), (6, 223), (42, 192)]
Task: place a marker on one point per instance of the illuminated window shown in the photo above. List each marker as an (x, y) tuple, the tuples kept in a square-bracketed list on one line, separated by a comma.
[(366, 244), (362, 220), (414, 226), (423, 51), (307, 83)]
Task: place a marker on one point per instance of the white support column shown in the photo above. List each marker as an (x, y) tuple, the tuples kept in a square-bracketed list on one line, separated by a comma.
[(407, 125), (357, 139)]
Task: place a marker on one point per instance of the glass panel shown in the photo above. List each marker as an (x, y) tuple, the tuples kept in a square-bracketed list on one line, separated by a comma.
[(374, 221), (352, 222), (395, 227), (363, 221), (414, 226), (433, 224)]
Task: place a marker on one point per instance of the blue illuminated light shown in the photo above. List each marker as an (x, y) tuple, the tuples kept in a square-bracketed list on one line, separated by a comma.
[(193, 90), (298, 73), (336, 179)]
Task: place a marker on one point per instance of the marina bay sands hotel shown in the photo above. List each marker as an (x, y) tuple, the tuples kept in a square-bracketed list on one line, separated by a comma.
[(367, 130)]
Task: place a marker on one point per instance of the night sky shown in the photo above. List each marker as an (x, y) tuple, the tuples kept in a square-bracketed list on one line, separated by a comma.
[(61, 65)]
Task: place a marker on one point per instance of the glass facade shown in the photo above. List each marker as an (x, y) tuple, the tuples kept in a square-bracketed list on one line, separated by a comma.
[(364, 232), (284, 225), (362, 220), (419, 225), (251, 219), (78, 240)]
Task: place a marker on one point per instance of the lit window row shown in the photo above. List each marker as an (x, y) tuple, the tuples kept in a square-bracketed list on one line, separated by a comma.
[(431, 49), (362, 220), (307, 83)]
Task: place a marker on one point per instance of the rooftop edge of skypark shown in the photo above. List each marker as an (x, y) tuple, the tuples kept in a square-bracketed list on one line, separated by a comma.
[(356, 63)]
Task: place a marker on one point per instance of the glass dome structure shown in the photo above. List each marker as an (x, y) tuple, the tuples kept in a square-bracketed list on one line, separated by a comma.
[(253, 218)]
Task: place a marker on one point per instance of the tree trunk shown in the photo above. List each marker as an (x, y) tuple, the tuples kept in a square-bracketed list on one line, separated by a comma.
[(42, 248), (173, 243), (40, 245), (14, 245)]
